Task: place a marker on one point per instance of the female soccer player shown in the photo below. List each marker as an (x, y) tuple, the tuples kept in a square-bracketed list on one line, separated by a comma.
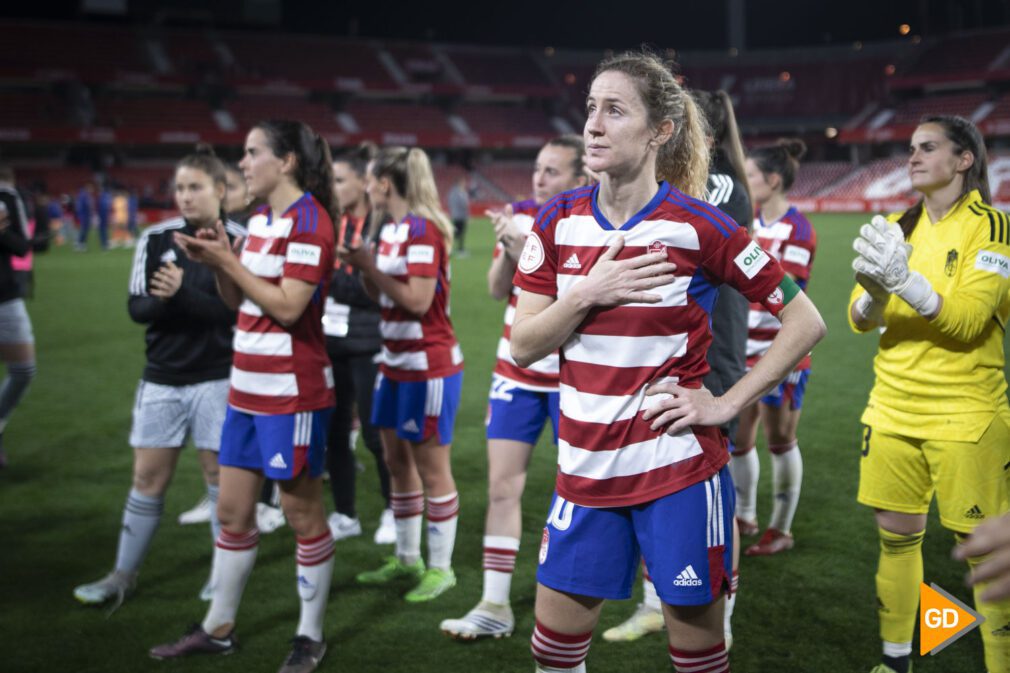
[(17, 342), (421, 365), (937, 277), (785, 234), (351, 324), (641, 465), (726, 189), (184, 388), (520, 400), (281, 383)]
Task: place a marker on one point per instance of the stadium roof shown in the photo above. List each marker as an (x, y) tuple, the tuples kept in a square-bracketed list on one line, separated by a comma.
[(681, 24)]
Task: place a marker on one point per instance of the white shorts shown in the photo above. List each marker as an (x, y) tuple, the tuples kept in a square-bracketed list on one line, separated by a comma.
[(15, 325), (164, 415)]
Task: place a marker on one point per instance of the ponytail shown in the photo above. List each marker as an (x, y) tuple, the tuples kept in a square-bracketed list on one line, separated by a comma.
[(313, 163), (683, 159), (409, 170), (783, 158)]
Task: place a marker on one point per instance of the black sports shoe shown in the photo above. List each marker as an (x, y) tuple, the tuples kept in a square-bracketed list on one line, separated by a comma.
[(195, 641), (305, 655)]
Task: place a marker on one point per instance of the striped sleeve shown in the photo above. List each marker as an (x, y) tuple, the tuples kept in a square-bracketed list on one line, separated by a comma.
[(138, 272)]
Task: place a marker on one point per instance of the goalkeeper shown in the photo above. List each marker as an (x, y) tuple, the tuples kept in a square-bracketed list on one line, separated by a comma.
[(936, 278)]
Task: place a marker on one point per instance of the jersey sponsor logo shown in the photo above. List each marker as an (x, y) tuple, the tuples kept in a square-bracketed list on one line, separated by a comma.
[(687, 578), (796, 255), (572, 262), (657, 246), (277, 462), (545, 544), (950, 268), (532, 256), (421, 254), (168, 256), (304, 253), (751, 260), (993, 262)]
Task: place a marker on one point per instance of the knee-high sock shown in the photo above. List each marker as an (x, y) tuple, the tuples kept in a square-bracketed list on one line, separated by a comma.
[(995, 640), (499, 564), (408, 509), (713, 660), (787, 478), (745, 468), (443, 514), (213, 490), (234, 558), (141, 516), (19, 376), (727, 617), (899, 574), (555, 652), (315, 568)]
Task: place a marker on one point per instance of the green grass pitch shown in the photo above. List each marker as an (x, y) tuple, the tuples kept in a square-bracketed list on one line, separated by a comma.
[(812, 609)]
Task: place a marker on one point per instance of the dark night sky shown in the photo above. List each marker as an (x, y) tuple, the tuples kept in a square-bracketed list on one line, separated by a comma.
[(590, 24)]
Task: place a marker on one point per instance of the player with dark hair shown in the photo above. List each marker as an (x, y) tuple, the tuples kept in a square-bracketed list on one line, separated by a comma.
[(520, 401), (184, 389), (641, 459), (787, 235), (281, 391), (351, 323), (937, 277), (17, 341)]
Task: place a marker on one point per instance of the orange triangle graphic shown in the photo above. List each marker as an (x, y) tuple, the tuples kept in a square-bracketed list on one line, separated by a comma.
[(942, 619)]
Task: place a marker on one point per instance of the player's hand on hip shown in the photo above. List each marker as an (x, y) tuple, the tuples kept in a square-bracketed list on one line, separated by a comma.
[(613, 282), (676, 408), (992, 539)]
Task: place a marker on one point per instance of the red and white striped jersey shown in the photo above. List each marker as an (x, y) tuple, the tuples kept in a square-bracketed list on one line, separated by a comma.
[(416, 349), (541, 376), (792, 241), (278, 369), (607, 454)]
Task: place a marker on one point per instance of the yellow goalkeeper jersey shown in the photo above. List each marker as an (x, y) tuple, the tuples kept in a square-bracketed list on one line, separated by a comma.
[(943, 379)]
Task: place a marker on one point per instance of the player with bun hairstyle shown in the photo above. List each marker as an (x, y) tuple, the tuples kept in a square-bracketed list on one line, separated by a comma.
[(621, 277), (184, 388), (281, 391), (787, 235), (937, 277), (351, 324), (520, 401), (727, 190), (420, 366)]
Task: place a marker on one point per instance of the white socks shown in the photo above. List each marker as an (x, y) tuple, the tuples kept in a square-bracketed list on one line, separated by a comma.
[(499, 564), (234, 558), (787, 478), (745, 469), (443, 514), (315, 569)]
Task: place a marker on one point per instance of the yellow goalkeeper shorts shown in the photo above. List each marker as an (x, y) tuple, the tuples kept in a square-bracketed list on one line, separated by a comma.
[(900, 474)]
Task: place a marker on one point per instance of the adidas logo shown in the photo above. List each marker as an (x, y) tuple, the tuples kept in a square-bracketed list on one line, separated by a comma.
[(974, 513), (881, 607), (411, 426), (304, 583), (277, 462), (572, 262), (687, 578)]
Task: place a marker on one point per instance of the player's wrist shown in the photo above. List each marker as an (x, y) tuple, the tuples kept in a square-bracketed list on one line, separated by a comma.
[(917, 292)]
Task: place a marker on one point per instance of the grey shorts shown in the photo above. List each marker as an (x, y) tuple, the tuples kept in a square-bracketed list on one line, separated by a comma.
[(15, 325), (164, 415)]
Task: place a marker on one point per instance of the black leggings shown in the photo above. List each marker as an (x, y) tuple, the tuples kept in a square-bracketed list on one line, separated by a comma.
[(354, 381)]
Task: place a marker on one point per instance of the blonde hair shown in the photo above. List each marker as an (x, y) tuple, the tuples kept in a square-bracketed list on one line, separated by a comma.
[(410, 172), (683, 159)]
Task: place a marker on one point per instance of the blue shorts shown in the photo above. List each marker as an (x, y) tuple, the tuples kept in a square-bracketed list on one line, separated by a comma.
[(685, 538), (519, 414), (791, 390), (278, 445), (417, 409)]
